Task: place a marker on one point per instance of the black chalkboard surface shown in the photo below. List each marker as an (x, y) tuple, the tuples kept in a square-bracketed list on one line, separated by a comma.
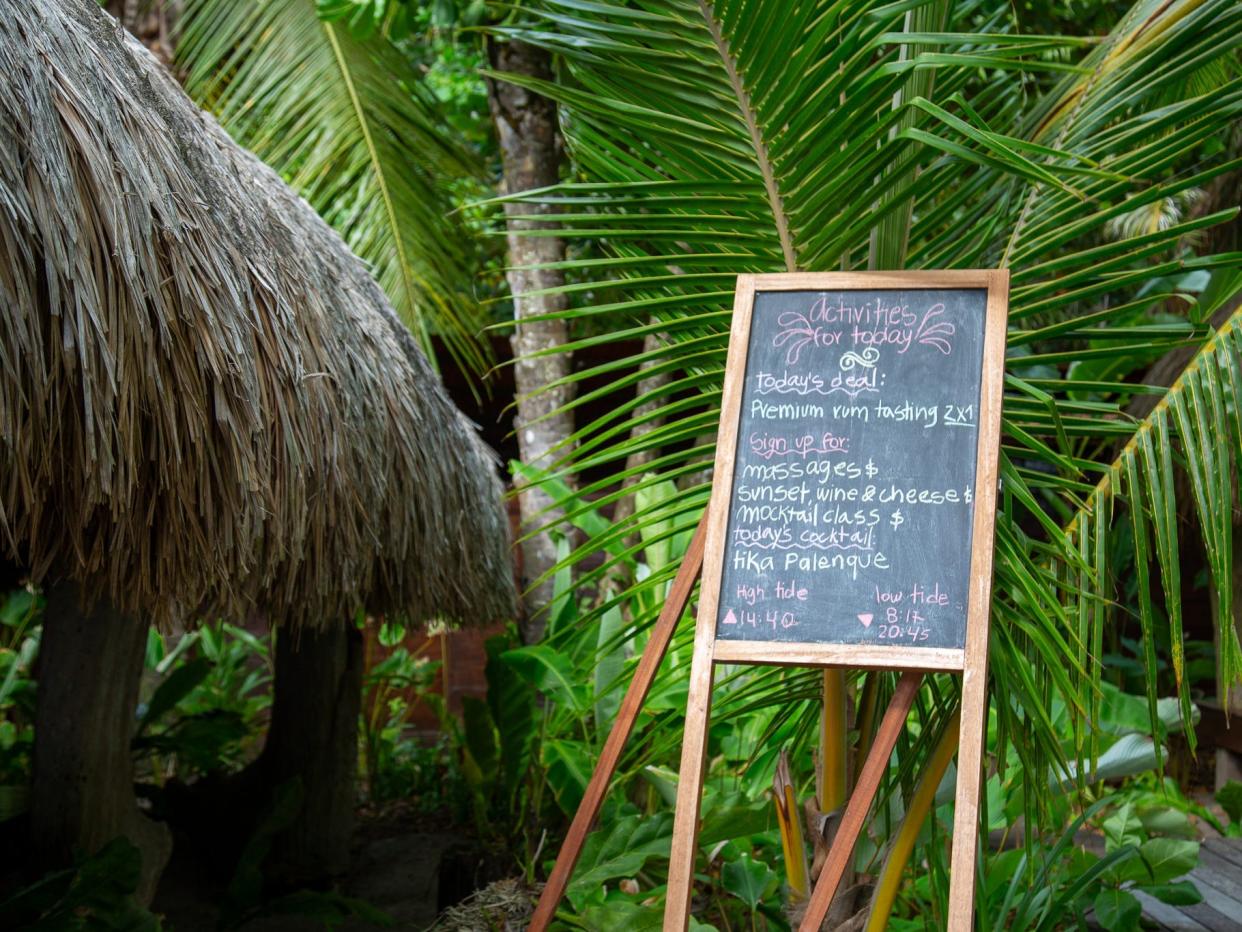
[(851, 503)]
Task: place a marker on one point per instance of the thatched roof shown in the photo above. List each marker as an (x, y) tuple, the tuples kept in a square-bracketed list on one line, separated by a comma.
[(206, 403)]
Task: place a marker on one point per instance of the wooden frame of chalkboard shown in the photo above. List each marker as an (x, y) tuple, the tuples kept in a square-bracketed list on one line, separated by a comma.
[(968, 658), (995, 285)]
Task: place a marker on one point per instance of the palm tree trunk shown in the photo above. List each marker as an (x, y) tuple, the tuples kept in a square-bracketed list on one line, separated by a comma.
[(151, 22), (82, 787), (527, 132), (645, 421)]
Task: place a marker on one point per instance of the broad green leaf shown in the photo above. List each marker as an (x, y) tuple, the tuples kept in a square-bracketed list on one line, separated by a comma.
[(1165, 820), (586, 519), (1122, 828), (512, 704), (1117, 910), (623, 917), (747, 879), (567, 766), (662, 546), (1169, 858), (620, 850), (480, 737), (549, 671), (616, 916), (1184, 893), (726, 816), (609, 667), (175, 687), (664, 779)]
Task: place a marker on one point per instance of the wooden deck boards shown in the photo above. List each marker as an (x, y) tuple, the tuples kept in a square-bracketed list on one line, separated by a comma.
[(1219, 879)]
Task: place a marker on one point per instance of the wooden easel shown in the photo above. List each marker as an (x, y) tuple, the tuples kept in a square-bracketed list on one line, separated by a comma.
[(705, 556)]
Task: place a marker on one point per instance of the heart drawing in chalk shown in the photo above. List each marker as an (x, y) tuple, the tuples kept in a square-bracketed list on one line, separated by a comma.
[(866, 619)]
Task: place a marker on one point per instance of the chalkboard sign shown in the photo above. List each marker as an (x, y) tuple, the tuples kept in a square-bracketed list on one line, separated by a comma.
[(850, 525), (856, 458)]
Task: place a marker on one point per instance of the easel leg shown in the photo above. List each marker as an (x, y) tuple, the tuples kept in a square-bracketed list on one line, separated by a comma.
[(966, 802), (644, 675), (690, 783), (860, 802)]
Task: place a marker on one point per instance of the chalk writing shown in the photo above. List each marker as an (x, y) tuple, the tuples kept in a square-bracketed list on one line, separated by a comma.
[(853, 487)]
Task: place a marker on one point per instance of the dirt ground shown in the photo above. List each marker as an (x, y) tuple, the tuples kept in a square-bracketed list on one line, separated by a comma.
[(408, 867)]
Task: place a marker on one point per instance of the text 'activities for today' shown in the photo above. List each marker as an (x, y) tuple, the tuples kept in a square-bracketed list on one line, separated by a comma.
[(852, 493)]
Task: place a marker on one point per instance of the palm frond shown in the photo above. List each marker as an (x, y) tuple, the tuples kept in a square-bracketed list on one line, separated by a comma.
[(718, 138), (1199, 419), (349, 124)]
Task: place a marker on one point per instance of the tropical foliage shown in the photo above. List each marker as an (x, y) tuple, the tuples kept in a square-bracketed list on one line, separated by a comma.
[(351, 125), (715, 139), (711, 139)]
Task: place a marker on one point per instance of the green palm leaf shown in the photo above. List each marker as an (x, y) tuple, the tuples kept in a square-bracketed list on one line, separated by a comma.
[(719, 138), (349, 124)]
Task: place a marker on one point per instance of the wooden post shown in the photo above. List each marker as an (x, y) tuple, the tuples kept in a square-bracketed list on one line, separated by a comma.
[(699, 700), (860, 802), (82, 794), (972, 736), (644, 675), (690, 784), (966, 800)]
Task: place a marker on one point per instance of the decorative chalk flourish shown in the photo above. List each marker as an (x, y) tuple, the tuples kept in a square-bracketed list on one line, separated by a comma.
[(937, 333), (797, 332), (867, 358)]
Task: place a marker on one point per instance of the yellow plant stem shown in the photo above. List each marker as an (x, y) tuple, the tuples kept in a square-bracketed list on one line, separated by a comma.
[(832, 785), (902, 845), (866, 718), (789, 818)]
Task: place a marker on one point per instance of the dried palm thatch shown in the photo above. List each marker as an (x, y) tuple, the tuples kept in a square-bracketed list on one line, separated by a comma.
[(206, 403), (506, 905)]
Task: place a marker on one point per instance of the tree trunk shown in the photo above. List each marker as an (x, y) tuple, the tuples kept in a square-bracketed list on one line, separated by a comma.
[(151, 22), (649, 388), (313, 738), (527, 133), (82, 791)]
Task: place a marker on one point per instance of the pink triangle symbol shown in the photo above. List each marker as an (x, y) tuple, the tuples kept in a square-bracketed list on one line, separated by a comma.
[(866, 619), (730, 618)]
